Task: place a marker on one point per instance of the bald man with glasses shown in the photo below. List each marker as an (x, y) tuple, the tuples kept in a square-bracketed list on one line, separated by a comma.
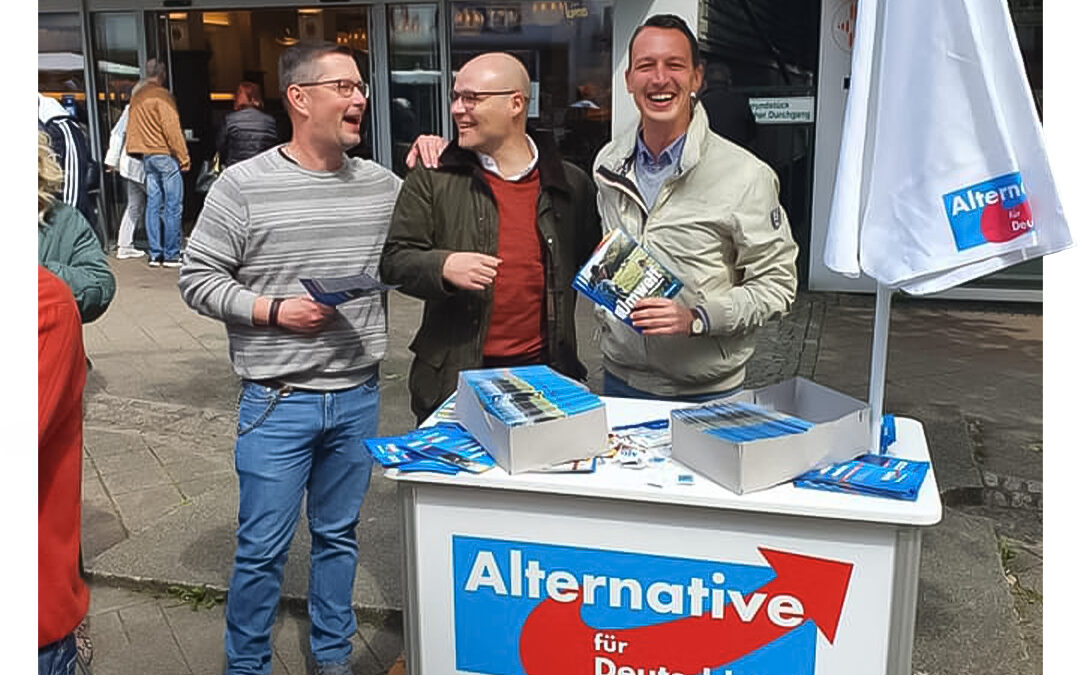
[(310, 384), (490, 239)]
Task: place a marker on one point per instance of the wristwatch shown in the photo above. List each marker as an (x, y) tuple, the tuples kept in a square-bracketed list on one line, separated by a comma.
[(697, 326)]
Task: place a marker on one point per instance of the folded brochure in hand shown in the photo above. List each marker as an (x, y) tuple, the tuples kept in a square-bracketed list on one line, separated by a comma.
[(333, 291), (620, 272)]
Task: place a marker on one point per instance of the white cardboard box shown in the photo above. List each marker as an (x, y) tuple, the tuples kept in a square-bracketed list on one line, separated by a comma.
[(841, 432), (533, 446)]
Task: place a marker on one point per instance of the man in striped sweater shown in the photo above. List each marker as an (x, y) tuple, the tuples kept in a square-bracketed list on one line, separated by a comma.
[(310, 392)]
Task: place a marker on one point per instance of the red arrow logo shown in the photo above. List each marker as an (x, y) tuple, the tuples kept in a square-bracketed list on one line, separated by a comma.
[(555, 641)]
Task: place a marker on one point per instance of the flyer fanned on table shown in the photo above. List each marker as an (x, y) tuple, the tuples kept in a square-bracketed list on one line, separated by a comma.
[(620, 272)]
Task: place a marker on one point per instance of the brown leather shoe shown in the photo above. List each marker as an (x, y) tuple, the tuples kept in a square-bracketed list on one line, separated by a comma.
[(398, 668)]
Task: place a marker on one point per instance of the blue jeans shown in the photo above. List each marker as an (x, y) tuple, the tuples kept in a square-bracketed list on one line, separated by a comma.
[(288, 441), (164, 205), (613, 386), (57, 658)]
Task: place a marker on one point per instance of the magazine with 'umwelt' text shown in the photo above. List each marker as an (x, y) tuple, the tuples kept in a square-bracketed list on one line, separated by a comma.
[(620, 272)]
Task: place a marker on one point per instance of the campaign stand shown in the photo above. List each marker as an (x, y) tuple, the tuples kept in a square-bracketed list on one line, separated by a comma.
[(647, 573)]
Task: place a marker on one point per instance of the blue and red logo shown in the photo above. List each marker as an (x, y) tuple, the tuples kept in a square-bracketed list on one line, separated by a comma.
[(537, 609), (994, 211)]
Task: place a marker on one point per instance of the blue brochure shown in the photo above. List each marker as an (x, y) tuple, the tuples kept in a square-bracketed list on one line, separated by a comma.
[(874, 475), (621, 272), (529, 394), (336, 290), (445, 448)]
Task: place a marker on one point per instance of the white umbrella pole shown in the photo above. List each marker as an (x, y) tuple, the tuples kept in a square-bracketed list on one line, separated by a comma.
[(878, 356)]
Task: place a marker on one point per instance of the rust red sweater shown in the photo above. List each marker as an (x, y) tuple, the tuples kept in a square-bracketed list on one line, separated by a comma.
[(62, 596), (517, 308)]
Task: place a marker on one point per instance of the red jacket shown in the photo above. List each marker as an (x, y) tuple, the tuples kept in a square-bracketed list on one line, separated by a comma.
[(62, 596)]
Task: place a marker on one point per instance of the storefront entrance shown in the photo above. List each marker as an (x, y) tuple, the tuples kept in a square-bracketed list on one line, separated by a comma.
[(399, 49)]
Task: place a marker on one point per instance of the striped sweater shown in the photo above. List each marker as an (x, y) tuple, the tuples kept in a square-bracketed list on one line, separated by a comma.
[(266, 223)]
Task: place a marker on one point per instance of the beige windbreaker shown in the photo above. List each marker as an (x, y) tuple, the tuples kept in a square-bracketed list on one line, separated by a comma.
[(717, 224)]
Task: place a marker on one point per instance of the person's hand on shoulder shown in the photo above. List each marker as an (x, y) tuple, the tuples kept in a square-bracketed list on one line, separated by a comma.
[(427, 149)]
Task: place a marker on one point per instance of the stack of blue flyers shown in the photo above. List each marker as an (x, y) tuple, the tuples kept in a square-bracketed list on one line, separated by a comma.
[(442, 448), (529, 394), (870, 474), (741, 422)]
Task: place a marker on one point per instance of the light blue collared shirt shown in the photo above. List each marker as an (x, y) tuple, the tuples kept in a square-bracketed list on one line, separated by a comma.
[(651, 172)]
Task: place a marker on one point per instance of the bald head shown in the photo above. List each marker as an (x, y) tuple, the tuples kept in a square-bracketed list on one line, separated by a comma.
[(491, 102), (498, 71)]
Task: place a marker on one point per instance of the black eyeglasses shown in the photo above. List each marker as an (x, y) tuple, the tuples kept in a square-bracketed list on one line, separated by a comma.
[(344, 88), (469, 99)]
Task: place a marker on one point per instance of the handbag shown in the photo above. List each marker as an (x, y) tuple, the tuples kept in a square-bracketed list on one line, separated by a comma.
[(208, 173)]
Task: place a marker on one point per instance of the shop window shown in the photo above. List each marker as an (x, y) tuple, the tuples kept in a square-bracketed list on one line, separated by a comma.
[(566, 48)]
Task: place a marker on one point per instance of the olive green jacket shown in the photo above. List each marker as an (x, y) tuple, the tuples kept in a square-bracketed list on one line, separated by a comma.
[(451, 208), (68, 248)]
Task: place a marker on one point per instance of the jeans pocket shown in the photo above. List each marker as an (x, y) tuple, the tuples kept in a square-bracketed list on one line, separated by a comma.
[(253, 407)]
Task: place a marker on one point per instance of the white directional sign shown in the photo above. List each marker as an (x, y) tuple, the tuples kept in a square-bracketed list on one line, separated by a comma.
[(787, 110)]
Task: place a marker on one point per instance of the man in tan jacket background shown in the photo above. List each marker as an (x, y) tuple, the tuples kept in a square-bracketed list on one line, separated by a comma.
[(154, 135)]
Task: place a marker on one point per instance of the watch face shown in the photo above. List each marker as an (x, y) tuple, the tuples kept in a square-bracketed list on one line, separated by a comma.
[(697, 327)]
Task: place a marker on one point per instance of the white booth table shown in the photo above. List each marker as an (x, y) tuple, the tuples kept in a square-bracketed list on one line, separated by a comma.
[(626, 572)]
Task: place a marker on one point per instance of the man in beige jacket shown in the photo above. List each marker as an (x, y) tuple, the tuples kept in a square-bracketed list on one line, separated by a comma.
[(154, 136), (707, 210)]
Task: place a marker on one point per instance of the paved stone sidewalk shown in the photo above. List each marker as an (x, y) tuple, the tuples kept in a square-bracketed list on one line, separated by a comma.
[(181, 634)]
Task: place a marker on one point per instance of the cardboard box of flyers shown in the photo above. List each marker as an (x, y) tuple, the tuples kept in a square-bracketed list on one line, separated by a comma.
[(841, 431), (526, 447)]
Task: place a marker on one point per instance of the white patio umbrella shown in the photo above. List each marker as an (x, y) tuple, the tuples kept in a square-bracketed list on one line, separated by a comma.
[(943, 175)]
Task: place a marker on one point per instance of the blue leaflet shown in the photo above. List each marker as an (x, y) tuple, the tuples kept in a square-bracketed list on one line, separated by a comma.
[(869, 474), (620, 272), (529, 394), (444, 447), (741, 422)]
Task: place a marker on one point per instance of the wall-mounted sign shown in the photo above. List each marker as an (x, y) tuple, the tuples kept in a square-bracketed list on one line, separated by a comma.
[(783, 110)]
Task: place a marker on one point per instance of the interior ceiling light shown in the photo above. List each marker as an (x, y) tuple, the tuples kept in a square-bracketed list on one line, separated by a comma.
[(286, 38), (216, 18)]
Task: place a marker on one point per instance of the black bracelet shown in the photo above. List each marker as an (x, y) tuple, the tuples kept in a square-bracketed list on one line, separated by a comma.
[(275, 305)]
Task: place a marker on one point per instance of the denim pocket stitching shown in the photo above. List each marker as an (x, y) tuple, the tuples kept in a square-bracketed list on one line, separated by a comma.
[(270, 405)]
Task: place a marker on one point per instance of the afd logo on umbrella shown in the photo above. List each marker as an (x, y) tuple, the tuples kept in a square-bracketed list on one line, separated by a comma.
[(523, 608), (993, 211)]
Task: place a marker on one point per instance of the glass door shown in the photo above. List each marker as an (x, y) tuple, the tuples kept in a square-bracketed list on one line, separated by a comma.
[(60, 61), (211, 52), (116, 69), (416, 99)]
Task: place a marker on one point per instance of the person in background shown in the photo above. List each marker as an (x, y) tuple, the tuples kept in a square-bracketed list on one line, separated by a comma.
[(247, 130), (310, 391), (131, 171), (154, 136), (729, 112), (67, 246), (63, 597), (69, 142), (709, 211)]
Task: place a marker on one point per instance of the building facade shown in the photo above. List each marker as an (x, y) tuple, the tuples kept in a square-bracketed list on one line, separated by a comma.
[(787, 59)]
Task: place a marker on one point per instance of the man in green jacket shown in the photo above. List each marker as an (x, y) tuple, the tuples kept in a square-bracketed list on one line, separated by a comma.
[(490, 239)]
